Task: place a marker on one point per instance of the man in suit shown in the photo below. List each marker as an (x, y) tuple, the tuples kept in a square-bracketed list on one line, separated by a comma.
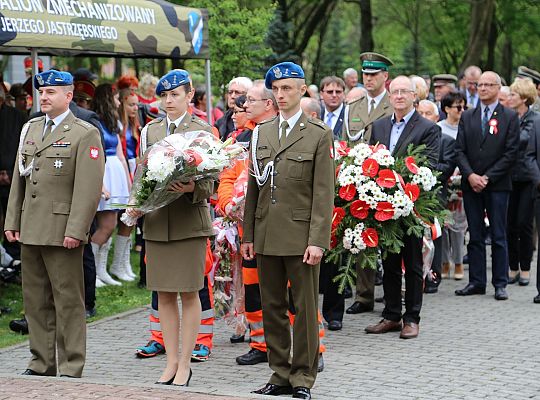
[(405, 127), (486, 147), (360, 116), (332, 91), (54, 195), (471, 74), (237, 87), (290, 190)]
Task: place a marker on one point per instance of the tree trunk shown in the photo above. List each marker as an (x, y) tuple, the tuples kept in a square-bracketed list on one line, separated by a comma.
[(482, 13), (136, 66), (506, 59), (492, 42), (117, 67), (94, 65), (316, 64), (366, 26), (161, 67)]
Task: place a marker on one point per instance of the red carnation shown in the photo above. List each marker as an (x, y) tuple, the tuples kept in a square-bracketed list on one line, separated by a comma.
[(359, 209), (412, 191), (370, 237), (385, 211), (411, 165), (348, 192), (386, 178), (370, 167), (337, 217)]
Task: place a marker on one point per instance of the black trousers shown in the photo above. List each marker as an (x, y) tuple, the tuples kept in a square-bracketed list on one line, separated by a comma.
[(537, 212), (436, 265), (89, 270), (411, 256), (520, 225), (13, 249), (333, 303)]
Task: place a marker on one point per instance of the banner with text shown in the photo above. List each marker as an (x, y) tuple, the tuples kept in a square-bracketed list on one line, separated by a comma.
[(150, 28)]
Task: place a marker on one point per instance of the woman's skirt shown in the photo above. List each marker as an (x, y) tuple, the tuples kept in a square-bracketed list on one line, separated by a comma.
[(176, 266), (116, 183)]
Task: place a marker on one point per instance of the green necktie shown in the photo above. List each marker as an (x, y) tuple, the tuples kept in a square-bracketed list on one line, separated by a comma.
[(48, 131), (283, 134), (172, 127)]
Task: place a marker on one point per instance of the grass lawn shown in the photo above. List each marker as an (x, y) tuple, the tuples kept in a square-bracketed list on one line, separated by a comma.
[(110, 300)]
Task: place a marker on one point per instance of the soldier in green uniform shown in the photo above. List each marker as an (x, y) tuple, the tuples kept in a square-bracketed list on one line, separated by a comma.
[(287, 223), (54, 195), (360, 116)]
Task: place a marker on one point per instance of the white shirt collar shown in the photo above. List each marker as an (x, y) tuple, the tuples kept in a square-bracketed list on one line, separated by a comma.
[(291, 121), (377, 99), (176, 122), (58, 120)]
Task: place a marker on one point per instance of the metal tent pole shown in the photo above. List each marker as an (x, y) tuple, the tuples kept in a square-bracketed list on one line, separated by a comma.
[(208, 93), (35, 93)]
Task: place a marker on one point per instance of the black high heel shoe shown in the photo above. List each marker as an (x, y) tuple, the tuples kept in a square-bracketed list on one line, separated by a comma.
[(169, 382), (187, 382)]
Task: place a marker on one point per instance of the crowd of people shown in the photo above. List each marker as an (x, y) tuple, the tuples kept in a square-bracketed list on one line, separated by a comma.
[(480, 134)]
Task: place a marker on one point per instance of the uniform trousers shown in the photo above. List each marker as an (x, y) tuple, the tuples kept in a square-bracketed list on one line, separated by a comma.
[(520, 226), (274, 274), (53, 293), (365, 285)]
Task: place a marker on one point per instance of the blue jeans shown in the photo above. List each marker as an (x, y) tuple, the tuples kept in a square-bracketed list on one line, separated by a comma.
[(496, 206)]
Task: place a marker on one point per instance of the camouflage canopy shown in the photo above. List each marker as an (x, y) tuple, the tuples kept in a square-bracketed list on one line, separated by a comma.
[(128, 28)]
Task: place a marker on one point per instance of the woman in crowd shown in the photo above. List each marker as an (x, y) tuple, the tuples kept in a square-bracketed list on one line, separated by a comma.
[(453, 239), (176, 260), (116, 181), (521, 203), (147, 89), (199, 106)]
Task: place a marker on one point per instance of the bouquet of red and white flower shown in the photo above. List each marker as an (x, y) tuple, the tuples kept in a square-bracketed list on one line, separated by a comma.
[(379, 200), (184, 156)]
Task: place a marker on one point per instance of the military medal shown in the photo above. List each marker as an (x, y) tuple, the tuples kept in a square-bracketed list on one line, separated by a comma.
[(58, 164)]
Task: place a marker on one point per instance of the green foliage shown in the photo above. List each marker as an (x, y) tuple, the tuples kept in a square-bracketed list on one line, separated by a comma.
[(278, 38)]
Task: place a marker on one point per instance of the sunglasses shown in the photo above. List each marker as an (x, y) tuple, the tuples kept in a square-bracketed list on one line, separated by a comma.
[(459, 108)]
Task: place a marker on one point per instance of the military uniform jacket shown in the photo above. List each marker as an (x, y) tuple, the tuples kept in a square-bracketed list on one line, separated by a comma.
[(188, 216), (60, 196), (358, 118), (296, 212)]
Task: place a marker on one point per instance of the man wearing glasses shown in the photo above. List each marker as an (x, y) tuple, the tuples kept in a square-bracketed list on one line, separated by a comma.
[(397, 132), (359, 117), (237, 87), (472, 74), (487, 146), (333, 103)]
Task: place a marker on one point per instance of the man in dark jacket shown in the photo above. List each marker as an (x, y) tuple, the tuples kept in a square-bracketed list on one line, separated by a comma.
[(486, 147)]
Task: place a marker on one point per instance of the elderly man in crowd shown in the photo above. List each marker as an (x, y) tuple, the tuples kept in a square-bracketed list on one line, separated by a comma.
[(237, 87), (350, 76), (472, 75), (442, 85)]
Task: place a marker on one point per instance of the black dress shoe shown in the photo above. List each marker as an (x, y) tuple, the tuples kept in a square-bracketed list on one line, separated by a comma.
[(187, 382), (320, 365), (537, 299), (523, 281), (300, 392), (432, 286), (32, 372), (252, 357), (335, 325), (500, 294), (513, 280), (469, 290), (347, 292), (274, 390), (358, 308), (19, 326), (169, 382), (237, 338)]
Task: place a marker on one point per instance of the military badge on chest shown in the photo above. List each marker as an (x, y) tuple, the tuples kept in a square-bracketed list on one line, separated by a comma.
[(58, 164)]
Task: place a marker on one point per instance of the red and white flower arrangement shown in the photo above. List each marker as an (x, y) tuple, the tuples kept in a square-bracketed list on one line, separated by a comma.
[(379, 199)]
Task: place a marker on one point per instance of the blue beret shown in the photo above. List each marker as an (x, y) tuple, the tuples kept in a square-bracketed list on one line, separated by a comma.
[(53, 78), (171, 80), (283, 70)]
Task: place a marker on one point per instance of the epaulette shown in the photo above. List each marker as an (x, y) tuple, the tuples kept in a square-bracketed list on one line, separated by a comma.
[(199, 121), (317, 122), (83, 123), (356, 101), (155, 120), (36, 119), (268, 120)]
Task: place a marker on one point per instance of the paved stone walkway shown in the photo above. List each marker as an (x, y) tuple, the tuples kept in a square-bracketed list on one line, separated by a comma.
[(468, 348)]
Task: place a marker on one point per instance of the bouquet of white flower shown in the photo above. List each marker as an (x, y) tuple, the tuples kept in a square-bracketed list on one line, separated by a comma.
[(180, 157)]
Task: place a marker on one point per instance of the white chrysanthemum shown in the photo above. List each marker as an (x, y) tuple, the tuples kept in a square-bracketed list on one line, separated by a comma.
[(160, 166), (425, 178), (383, 157)]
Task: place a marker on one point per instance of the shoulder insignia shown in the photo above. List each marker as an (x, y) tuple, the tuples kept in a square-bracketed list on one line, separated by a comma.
[(318, 123), (36, 119), (357, 101), (199, 121), (85, 124), (155, 121), (267, 120)]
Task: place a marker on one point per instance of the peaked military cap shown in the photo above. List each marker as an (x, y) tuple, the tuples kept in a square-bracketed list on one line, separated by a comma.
[(374, 62), (52, 78), (444, 79), (84, 90), (171, 80), (525, 72), (283, 70)]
